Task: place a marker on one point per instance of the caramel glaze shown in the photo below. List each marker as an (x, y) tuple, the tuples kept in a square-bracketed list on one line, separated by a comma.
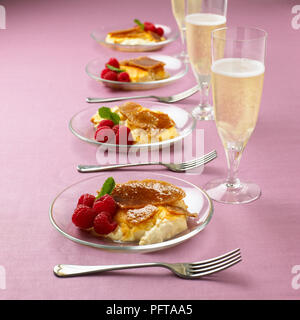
[(179, 211), (127, 32), (145, 63), (136, 216), (134, 32), (144, 118), (138, 194)]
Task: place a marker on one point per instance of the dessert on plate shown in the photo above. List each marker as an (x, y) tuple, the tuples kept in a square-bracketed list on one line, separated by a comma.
[(141, 69), (140, 34), (131, 123), (144, 211)]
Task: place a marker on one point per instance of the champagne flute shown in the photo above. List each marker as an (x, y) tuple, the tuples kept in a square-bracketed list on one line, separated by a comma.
[(178, 9), (202, 17), (238, 68)]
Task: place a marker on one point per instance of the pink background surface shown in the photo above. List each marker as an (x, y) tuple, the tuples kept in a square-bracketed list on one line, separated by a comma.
[(43, 53)]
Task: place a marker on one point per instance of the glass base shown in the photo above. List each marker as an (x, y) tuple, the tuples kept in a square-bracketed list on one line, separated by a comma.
[(183, 56), (203, 113), (244, 192)]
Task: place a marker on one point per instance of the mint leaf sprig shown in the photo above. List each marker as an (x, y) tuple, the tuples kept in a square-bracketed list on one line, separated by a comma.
[(107, 187), (139, 23), (114, 68), (106, 113)]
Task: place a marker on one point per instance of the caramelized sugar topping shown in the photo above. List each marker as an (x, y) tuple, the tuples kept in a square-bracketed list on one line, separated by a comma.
[(145, 118), (138, 194), (149, 119), (134, 32), (179, 211), (155, 36), (131, 32), (129, 107), (136, 216), (145, 63)]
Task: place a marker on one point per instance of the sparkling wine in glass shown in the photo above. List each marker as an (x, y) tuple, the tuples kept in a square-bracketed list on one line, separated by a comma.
[(238, 68), (178, 9), (202, 17)]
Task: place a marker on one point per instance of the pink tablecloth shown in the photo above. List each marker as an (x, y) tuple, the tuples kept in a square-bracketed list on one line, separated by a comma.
[(43, 52)]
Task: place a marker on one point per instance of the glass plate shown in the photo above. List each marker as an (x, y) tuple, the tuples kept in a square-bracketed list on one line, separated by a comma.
[(175, 67), (62, 208), (100, 34), (81, 126)]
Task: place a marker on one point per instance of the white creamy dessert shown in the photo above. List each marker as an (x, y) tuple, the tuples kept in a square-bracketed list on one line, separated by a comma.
[(133, 36), (142, 134), (149, 211), (128, 41), (145, 211), (162, 226)]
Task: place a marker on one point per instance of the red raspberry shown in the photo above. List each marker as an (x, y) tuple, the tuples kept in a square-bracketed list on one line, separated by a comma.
[(106, 123), (104, 72), (123, 77), (104, 133), (148, 26), (124, 136), (114, 62), (159, 31), (116, 128), (105, 203), (108, 215), (83, 216), (87, 200), (111, 75), (103, 224)]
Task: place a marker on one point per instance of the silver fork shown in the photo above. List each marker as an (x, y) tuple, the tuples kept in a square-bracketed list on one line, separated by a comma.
[(183, 270), (176, 167), (170, 99)]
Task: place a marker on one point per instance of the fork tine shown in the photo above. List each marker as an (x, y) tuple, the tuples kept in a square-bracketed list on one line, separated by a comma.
[(208, 155), (183, 95), (211, 155), (216, 258), (216, 269), (195, 268), (197, 162)]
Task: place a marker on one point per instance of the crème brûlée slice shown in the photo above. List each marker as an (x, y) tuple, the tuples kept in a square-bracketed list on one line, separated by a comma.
[(144, 118), (147, 126), (144, 69), (149, 211), (133, 36)]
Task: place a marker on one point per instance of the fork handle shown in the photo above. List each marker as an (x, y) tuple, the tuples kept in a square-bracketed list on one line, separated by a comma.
[(68, 270), (96, 168), (98, 100)]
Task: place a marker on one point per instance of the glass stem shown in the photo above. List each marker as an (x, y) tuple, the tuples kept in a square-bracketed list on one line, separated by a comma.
[(204, 92), (182, 35), (233, 154)]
